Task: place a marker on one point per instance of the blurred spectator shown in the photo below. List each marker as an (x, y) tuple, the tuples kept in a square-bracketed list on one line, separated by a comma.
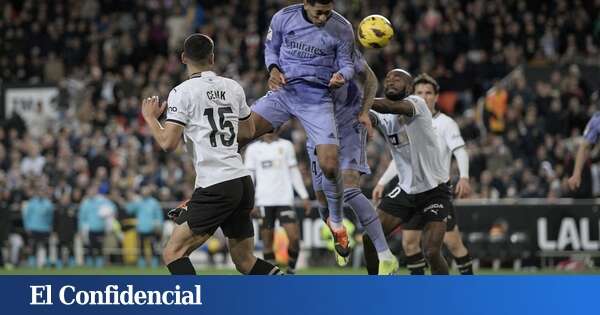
[(38, 214), (149, 218), (96, 215), (66, 227)]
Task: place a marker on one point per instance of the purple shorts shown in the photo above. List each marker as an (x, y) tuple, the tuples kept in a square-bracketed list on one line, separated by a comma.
[(311, 104), (353, 145)]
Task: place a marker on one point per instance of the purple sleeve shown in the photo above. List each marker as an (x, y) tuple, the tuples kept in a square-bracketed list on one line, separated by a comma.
[(273, 43), (345, 52), (592, 130)]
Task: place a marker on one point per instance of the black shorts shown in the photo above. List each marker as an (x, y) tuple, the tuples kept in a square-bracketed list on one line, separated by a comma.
[(430, 206), (226, 205), (269, 214), (417, 223)]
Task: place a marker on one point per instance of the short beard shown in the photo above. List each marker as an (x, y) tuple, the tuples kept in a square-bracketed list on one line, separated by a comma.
[(396, 96)]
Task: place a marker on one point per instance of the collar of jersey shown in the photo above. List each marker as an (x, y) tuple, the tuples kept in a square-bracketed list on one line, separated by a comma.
[(203, 74)]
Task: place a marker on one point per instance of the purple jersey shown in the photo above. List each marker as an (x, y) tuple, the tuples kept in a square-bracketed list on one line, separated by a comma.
[(592, 129), (353, 136), (308, 52)]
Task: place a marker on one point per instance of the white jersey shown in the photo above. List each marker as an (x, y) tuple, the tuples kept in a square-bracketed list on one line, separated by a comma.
[(209, 108), (449, 137), (271, 163), (415, 147)]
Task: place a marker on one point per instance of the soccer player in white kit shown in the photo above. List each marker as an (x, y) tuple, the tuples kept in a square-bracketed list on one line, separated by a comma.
[(452, 145), (272, 161), (209, 111), (406, 124)]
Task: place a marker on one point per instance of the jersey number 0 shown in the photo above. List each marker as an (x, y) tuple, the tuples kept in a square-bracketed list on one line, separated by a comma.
[(223, 123)]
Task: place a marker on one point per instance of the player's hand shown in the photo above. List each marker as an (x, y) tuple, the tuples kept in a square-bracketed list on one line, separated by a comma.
[(574, 182), (337, 80), (377, 193), (463, 188), (276, 79), (307, 207), (151, 109), (365, 120), (255, 213)]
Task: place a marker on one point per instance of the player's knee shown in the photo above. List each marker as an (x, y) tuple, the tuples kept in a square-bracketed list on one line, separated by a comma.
[(330, 169), (172, 253)]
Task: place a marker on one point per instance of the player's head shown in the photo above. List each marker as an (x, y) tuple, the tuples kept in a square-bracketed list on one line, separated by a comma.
[(318, 11), (426, 87), (198, 50), (397, 84)]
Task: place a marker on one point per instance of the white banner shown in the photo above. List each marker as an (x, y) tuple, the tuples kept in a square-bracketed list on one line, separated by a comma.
[(25, 100)]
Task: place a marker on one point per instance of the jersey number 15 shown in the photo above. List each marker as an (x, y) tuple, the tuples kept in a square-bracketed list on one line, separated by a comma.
[(223, 123)]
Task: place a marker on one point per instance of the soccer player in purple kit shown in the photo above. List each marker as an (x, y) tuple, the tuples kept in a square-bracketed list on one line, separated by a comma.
[(308, 52), (590, 137), (352, 108)]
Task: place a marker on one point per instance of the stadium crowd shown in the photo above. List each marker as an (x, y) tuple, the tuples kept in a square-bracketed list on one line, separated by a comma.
[(106, 55)]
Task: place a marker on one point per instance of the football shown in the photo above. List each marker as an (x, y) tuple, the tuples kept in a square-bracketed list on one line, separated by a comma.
[(375, 31)]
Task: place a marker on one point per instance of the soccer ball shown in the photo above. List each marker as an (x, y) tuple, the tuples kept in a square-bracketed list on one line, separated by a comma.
[(375, 31)]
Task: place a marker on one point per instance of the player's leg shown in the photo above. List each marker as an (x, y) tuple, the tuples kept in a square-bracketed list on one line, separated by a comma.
[(267, 229), (262, 126), (435, 205), (433, 237), (142, 237), (317, 117), (459, 251), (367, 216), (239, 230), (411, 244), (389, 223), (289, 222), (179, 246), (317, 182), (207, 209), (269, 113)]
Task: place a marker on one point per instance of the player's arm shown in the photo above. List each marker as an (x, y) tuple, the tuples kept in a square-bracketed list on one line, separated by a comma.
[(463, 187), (456, 144), (590, 136), (250, 162), (167, 136), (387, 106), (368, 79), (387, 176), (345, 60), (272, 48), (582, 154), (246, 127)]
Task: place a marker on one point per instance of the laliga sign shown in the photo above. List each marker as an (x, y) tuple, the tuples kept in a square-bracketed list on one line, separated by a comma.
[(570, 233)]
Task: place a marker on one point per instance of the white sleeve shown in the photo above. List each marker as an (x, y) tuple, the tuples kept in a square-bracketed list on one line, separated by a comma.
[(290, 155), (462, 159), (452, 136), (249, 159), (244, 109), (419, 105), (389, 174), (177, 108), (298, 183)]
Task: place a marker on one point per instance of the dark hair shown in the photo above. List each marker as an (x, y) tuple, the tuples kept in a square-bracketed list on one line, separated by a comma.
[(425, 78), (313, 2), (198, 47)]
